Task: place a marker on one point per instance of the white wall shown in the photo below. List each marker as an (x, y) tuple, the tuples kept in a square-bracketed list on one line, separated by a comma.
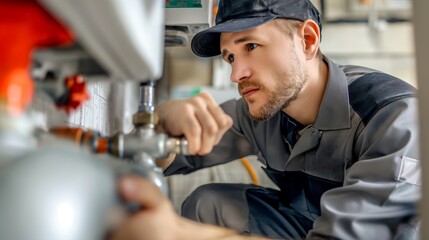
[(109, 109)]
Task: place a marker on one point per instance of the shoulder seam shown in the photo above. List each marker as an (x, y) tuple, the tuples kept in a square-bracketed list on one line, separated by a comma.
[(373, 91)]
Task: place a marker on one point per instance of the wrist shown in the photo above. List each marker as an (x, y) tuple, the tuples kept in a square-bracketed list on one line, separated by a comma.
[(165, 162)]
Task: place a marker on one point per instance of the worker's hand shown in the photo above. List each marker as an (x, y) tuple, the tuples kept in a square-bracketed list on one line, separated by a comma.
[(156, 219), (199, 119)]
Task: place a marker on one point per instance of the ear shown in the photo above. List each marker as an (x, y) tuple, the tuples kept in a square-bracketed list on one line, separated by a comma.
[(311, 38)]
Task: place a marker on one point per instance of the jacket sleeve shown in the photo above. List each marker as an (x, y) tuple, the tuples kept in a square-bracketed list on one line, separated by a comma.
[(381, 189), (233, 145)]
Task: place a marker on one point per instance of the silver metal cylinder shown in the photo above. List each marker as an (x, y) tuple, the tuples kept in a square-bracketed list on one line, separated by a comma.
[(147, 97), (157, 145), (177, 145), (56, 192), (153, 172)]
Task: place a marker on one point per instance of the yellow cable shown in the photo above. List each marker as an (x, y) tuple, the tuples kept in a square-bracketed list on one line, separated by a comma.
[(249, 167)]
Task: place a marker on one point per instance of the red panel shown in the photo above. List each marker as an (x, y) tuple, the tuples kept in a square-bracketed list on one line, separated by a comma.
[(24, 26)]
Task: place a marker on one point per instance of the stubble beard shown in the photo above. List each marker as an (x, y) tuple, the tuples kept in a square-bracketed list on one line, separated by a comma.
[(285, 92)]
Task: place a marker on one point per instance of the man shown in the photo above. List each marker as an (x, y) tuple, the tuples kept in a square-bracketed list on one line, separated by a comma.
[(341, 142)]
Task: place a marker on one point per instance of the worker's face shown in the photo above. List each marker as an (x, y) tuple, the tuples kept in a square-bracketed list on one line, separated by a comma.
[(267, 66)]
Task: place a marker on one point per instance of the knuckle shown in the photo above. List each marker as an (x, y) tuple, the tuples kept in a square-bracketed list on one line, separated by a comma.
[(206, 150), (226, 122), (205, 95), (197, 101), (208, 98), (212, 129), (195, 132), (188, 108)]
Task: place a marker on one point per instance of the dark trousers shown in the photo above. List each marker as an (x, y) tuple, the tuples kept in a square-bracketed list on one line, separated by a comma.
[(246, 208)]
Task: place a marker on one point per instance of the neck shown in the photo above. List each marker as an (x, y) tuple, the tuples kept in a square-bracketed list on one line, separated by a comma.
[(306, 107)]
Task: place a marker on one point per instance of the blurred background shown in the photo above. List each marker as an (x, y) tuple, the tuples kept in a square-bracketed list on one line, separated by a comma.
[(372, 33)]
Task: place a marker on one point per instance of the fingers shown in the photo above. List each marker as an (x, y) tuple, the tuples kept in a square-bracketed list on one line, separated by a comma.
[(139, 191), (223, 121), (212, 120), (156, 214), (190, 126), (199, 119)]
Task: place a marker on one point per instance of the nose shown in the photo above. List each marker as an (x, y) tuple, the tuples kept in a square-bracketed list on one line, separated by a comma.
[(240, 71)]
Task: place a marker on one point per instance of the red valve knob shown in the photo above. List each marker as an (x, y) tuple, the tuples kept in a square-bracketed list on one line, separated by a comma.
[(76, 93)]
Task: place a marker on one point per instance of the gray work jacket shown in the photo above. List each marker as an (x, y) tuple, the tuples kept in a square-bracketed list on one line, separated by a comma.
[(364, 142)]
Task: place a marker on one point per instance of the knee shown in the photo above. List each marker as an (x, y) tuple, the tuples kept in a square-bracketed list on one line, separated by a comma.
[(201, 201), (221, 204)]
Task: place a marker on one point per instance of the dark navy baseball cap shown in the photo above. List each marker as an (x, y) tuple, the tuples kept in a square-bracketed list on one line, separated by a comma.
[(241, 15)]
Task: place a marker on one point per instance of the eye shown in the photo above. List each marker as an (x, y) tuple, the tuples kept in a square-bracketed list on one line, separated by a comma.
[(230, 58), (252, 46)]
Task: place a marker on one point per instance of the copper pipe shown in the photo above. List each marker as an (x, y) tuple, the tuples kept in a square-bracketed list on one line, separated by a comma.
[(75, 134), (83, 137)]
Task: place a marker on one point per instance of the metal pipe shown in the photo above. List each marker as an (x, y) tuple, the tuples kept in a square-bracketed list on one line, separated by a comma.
[(147, 90)]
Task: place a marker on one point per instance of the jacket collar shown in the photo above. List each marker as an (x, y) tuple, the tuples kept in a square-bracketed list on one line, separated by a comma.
[(334, 110)]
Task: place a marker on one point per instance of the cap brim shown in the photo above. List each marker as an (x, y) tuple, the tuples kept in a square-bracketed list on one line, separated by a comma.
[(207, 43)]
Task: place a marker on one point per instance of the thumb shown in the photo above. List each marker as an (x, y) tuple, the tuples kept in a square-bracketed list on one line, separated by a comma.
[(140, 191)]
